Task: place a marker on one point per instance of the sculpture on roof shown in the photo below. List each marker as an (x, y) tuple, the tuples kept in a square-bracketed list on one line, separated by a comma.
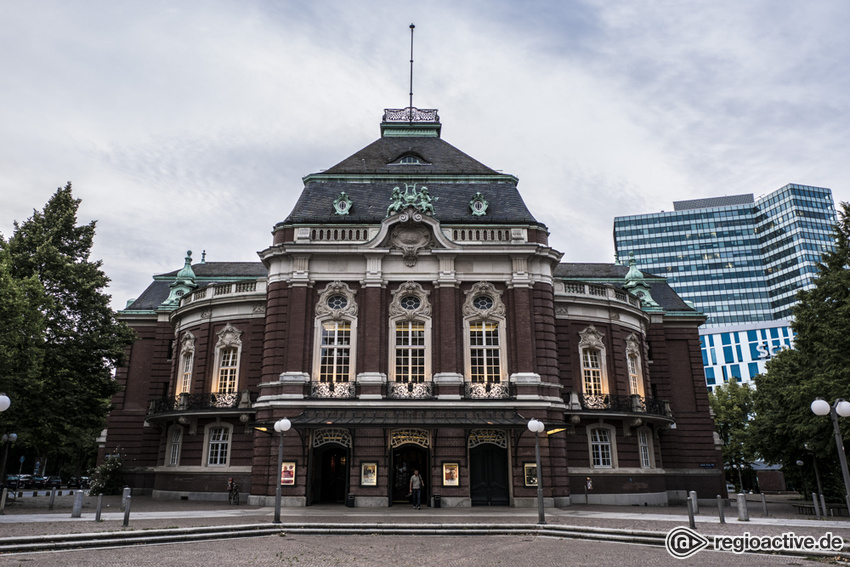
[(419, 200)]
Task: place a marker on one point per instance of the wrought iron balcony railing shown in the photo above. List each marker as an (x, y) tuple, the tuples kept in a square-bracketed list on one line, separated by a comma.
[(339, 390), (625, 404), (209, 401), (487, 390), (410, 390)]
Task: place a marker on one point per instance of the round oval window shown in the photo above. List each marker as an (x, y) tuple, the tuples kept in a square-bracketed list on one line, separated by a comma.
[(483, 302), (410, 302), (337, 302)]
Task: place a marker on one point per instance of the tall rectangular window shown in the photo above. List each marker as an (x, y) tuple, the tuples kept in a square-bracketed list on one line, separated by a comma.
[(643, 444), (186, 373), (227, 371), (174, 454), (592, 372), (484, 352), (634, 385), (219, 441), (600, 447), (335, 357), (410, 351)]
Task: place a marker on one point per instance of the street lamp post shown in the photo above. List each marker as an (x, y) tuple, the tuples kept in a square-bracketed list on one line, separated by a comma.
[(281, 426), (7, 440), (536, 426), (740, 478), (840, 407)]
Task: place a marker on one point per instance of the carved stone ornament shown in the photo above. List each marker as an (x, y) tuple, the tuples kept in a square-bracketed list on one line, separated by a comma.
[(410, 238), (419, 200), (471, 308), (342, 204), (487, 436), (591, 338), (632, 345), (336, 300), (478, 205), (187, 343), (403, 307), (229, 337)]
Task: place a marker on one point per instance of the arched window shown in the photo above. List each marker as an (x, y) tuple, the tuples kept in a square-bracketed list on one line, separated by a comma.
[(187, 360), (410, 332), (484, 334), (602, 442), (228, 350), (336, 334), (634, 365), (593, 365)]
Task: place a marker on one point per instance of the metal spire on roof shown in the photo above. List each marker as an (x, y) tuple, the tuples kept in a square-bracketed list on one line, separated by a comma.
[(411, 72)]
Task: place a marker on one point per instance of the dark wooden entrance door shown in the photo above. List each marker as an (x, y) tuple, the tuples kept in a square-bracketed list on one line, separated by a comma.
[(405, 460), (488, 470), (330, 470)]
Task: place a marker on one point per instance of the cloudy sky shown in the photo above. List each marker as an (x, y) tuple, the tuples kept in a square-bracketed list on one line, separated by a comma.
[(189, 125)]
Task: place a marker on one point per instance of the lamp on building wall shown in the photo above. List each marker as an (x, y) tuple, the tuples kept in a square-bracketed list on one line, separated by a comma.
[(840, 407), (536, 426), (281, 426)]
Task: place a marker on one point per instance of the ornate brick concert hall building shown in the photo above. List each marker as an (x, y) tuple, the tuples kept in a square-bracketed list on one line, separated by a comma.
[(410, 314)]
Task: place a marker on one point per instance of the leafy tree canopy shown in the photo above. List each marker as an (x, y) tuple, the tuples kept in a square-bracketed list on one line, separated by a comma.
[(61, 341), (732, 405), (818, 366)]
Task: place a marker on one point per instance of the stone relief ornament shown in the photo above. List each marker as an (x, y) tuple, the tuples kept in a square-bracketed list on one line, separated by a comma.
[(478, 205), (336, 300), (410, 238), (342, 204), (591, 338), (409, 302), (419, 200), (228, 337), (477, 305)]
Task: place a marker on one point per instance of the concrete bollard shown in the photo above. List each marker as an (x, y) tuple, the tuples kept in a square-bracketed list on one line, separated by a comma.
[(823, 506), (817, 508), (124, 497), (77, 510), (99, 507), (52, 499), (720, 510), (693, 496), (127, 511), (743, 515), (763, 505), (3, 501), (691, 521)]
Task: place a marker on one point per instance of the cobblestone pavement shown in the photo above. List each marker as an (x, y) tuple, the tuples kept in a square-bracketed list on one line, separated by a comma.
[(390, 551)]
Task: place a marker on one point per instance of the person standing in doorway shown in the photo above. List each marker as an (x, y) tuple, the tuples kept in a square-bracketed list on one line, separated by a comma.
[(416, 488)]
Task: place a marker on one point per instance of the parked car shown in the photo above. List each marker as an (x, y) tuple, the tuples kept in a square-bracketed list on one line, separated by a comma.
[(53, 482), (730, 488), (12, 482), (37, 482), (79, 482), (24, 480)]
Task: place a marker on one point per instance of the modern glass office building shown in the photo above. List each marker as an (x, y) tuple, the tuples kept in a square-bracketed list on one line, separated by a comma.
[(740, 260)]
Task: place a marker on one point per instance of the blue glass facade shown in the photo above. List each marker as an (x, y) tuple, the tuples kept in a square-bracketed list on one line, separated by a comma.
[(738, 259)]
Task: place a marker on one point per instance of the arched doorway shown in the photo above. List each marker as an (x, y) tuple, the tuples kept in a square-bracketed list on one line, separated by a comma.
[(329, 464), (489, 481), (410, 451)]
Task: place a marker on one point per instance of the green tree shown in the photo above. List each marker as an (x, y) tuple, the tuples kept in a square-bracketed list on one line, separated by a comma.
[(62, 382), (732, 404), (818, 366)]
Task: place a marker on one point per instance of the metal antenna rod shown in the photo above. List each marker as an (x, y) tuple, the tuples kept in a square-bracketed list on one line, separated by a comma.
[(410, 111)]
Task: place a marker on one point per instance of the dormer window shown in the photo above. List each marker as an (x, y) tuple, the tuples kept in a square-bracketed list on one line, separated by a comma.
[(410, 159)]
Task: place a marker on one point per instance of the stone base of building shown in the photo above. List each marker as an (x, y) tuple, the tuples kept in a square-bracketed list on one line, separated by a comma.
[(635, 499), (285, 501), (532, 502), (371, 502), (189, 495), (454, 502)]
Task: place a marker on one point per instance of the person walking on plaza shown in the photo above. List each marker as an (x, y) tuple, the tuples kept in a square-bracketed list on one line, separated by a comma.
[(416, 488)]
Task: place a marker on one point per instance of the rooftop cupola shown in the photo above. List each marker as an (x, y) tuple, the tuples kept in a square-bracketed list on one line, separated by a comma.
[(637, 284), (184, 282), (410, 122)]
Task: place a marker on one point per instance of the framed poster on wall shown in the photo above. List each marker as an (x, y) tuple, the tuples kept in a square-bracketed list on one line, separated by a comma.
[(368, 474), (530, 474), (287, 474), (451, 474)]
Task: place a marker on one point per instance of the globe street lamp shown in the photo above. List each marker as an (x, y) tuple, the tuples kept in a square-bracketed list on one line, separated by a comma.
[(840, 407), (536, 426), (7, 440), (281, 426)]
